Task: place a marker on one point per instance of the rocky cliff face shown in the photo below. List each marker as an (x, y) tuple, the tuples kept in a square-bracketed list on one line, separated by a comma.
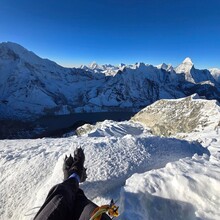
[(190, 114)]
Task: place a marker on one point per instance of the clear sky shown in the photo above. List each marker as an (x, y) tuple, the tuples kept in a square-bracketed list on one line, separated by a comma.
[(73, 32)]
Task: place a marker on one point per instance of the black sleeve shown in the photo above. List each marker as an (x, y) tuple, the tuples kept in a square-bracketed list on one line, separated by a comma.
[(60, 202)]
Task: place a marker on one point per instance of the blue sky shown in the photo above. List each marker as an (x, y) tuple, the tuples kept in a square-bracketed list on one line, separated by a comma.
[(73, 32)]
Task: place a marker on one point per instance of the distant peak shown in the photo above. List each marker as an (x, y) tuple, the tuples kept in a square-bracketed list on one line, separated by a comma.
[(122, 65), (188, 61), (93, 65), (163, 66), (140, 64)]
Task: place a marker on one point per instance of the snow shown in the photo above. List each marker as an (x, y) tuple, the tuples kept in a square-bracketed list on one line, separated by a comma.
[(31, 86), (185, 189), (186, 67), (194, 75), (216, 74), (188, 60), (152, 177)]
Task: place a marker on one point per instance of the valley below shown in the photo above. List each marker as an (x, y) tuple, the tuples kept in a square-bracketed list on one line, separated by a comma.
[(57, 125)]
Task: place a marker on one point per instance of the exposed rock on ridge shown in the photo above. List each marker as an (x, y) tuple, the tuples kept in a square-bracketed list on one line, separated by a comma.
[(190, 114)]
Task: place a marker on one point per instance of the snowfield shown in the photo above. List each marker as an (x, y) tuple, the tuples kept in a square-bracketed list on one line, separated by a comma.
[(152, 177)]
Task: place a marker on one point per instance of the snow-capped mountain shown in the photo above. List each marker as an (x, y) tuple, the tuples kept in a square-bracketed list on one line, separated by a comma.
[(107, 69), (192, 74), (31, 86), (164, 66), (216, 74)]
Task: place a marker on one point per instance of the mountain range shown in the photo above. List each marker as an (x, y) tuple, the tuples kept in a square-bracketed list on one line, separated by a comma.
[(31, 86)]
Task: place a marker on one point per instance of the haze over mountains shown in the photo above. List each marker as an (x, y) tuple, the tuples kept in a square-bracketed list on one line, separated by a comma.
[(31, 86)]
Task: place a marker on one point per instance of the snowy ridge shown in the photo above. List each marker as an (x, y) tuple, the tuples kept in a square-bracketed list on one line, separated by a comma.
[(31, 86), (216, 74)]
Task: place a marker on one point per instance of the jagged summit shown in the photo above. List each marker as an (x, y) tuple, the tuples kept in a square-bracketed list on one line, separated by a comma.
[(194, 75), (188, 60), (186, 67), (164, 66), (93, 65)]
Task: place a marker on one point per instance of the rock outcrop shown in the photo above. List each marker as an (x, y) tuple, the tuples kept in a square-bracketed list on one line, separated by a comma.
[(190, 114)]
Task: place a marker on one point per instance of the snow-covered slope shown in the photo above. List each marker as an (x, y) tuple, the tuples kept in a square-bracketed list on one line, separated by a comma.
[(153, 177), (30, 167), (31, 86), (216, 74), (186, 189)]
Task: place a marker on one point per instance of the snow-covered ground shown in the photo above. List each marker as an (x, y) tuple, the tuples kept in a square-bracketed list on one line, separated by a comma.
[(153, 177)]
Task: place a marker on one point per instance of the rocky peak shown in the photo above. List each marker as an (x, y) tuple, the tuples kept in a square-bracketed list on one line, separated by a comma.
[(170, 117)]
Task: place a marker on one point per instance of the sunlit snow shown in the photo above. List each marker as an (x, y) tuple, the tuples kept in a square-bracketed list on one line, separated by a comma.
[(152, 177)]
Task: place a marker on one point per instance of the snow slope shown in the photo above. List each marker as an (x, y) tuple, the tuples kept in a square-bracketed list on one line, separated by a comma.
[(32, 86), (186, 189), (115, 151), (216, 74)]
